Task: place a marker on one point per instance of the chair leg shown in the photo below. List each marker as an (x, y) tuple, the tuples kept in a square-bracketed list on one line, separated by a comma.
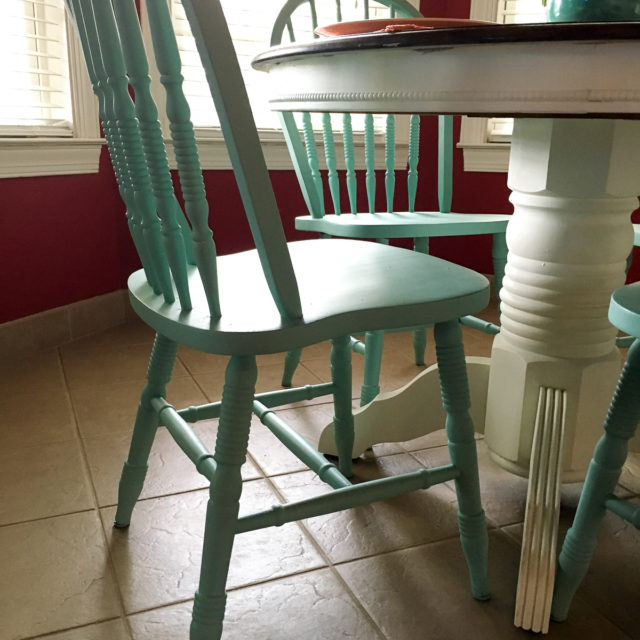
[(291, 362), (419, 345), (602, 476), (343, 418), (373, 343), (163, 356), (499, 254), (462, 448), (222, 508), (421, 245)]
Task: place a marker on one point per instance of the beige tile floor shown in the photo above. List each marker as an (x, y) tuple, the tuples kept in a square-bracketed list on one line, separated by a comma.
[(392, 570)]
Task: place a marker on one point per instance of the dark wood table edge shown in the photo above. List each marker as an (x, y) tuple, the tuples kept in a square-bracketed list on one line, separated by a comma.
[(468, 35)]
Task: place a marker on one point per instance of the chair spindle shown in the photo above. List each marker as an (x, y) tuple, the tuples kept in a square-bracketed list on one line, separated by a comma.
[(184, 143), (153, 147), (349, 159), (412, 174), (445, 162), (330, 157), (370, 162), (390, 160)]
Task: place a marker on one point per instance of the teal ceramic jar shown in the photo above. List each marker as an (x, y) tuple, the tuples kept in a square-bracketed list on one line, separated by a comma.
[(592, 10)]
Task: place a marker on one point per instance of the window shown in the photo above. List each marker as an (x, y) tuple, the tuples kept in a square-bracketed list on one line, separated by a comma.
[(250, 23), (485, 141), (48, 116)]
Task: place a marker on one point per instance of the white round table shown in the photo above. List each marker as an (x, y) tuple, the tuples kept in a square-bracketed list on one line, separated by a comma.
[(574, 175)]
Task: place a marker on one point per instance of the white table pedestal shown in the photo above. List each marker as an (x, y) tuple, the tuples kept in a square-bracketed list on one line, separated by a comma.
[(554, 365)]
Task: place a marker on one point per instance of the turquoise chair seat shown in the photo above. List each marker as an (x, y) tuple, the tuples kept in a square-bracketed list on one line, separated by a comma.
[(404, 224), (266, 300), (380, 296), (609, 456)]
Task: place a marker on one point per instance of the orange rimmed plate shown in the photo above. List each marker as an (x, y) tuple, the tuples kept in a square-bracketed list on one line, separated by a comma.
[(395, 24)]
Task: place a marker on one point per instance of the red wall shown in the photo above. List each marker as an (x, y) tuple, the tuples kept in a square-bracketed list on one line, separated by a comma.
[(65, 238)]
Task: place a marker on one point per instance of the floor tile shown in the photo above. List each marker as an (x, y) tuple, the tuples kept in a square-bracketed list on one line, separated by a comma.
[(39, 374), (34, 483), (55, 575), (410, 591), (130, 333), (503, 494), (170, 471), (269, 379), (111, 408), (98, 366), (35, 419), (312, 606), (408, 520), (111, 630), (397, 369), (612, 583), (630, 477), (157, 559)]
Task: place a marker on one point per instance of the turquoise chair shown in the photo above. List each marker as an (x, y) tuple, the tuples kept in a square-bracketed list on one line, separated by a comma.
[(267, 300), (381, 226), (608, 458)]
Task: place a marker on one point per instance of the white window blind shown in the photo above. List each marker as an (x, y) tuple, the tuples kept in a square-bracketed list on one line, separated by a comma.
[(250, 23), (513, 12), (34, 73)]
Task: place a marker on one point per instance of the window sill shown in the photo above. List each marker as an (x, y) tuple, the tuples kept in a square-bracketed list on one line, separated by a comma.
[(486, 157), (29, 157), (32, 157)]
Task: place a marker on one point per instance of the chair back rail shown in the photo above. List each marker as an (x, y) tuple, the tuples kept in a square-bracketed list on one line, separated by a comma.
[(112, 45), (306, 165), (241, 136)]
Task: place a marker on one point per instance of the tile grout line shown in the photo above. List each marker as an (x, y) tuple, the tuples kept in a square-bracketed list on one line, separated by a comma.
[(94, 497), (329, 564)]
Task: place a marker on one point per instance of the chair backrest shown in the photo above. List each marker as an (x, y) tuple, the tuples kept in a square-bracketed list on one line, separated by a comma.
[(113, 48), (302, 143)]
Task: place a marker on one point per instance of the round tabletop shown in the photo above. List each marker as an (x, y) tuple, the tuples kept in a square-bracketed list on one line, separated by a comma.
[(559, 69)]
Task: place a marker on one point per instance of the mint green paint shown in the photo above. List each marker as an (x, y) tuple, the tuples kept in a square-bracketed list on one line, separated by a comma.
[(370, 161), (393, 223), (153, 146), (609, 456), (390, 160), (271, 300), (330, 159), (414, 149), (349, 161)]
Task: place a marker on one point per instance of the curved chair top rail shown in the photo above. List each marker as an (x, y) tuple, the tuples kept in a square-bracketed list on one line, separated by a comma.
[(283, 20)]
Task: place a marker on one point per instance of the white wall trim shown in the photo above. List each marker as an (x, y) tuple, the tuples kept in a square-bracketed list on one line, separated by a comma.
[(30, 157)]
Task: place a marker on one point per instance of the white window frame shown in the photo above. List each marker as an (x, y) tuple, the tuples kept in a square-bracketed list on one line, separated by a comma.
[(22, 157), (213, 151), (478, 152)]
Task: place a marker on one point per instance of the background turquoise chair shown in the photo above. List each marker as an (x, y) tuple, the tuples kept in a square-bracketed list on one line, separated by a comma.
[(608, 458), (267, 300), (355, 218)]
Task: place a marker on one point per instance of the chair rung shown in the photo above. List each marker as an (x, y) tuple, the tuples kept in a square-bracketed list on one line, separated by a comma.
[(327, 472), (211, 410), (357, 346), (285, 396), (347, 498), (480, 325), (624, 509), (185, 438), (624, 342)]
